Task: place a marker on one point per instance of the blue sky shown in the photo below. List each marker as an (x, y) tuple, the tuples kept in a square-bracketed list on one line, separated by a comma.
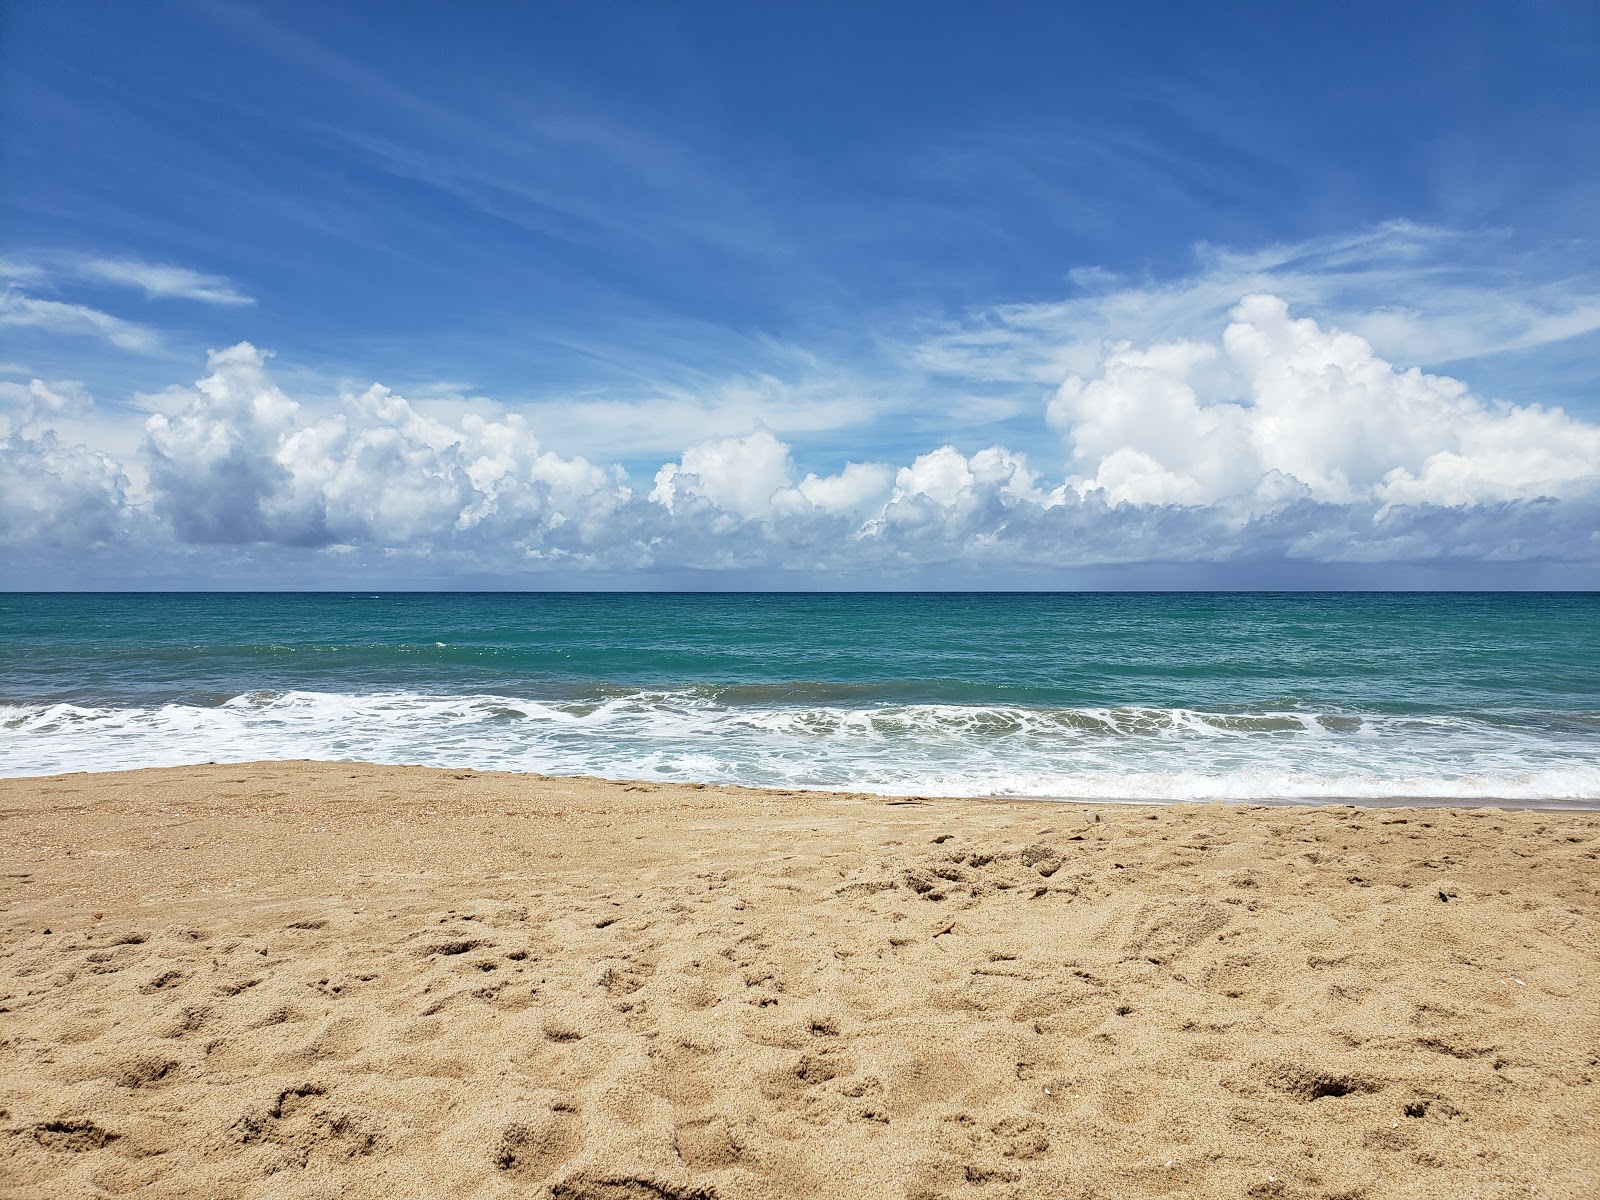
[(1229, 295)]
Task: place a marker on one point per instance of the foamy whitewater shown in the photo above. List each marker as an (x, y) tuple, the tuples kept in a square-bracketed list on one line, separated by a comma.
[(1148, 697)]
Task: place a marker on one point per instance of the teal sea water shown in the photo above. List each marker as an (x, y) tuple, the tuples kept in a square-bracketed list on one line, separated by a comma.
[(1476, 697)]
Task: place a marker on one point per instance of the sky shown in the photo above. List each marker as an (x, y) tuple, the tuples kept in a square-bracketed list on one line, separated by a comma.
[(706, 295)]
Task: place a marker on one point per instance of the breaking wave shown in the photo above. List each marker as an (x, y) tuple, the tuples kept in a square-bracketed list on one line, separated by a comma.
[(839, 738)]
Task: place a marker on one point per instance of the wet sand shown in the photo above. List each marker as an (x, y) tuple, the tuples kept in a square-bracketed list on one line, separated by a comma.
[(308, 980)]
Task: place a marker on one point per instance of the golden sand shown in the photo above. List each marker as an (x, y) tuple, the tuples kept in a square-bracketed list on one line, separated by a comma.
[(309, 980)]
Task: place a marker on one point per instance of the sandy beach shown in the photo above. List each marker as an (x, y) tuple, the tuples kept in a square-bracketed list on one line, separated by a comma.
[(320, 980)]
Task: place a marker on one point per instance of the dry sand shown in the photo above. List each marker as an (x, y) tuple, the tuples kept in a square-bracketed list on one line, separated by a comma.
[(292, 979)]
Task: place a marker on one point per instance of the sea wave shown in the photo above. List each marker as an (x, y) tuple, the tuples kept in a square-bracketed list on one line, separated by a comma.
[(800, 738)]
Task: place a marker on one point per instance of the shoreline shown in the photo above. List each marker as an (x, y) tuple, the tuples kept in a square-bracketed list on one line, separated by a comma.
[(1503, 803), (308, 979)]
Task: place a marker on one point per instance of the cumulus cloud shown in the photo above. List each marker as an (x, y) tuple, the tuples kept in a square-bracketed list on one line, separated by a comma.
[(162, 281), (1273, 439), (37, 402), (1283, 408), (52, 493), (58, 495), (740, 475), (240, 464), (856, 490)]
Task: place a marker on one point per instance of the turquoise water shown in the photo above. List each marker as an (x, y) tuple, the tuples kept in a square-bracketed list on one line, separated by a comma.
[(1152, 696)]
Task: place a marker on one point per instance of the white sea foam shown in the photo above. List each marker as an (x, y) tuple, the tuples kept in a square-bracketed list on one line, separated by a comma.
[(931, 749)]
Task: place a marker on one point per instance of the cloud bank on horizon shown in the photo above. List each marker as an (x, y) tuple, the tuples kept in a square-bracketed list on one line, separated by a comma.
[(614, 303), (1276, 438)]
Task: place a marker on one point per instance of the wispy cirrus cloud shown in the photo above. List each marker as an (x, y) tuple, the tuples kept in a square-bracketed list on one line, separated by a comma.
[(36, 293), (162, 281), (16, 272), (21, 311), (1420, 294), (549, 163)]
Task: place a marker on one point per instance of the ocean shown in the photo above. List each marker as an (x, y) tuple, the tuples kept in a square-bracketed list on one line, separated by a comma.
[(1160, 697)]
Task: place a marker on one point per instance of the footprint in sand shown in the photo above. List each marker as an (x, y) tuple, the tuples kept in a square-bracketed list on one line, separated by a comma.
[(537, 1142), (300, 1124)]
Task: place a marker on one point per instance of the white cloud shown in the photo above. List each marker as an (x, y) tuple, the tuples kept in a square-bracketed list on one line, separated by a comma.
[(37, 403), (214, 467), (858, 489), (160, 281), (1266, 438), (15, 271), (984, 509), (240, 464), (1419, 294), (740, 475), (54, 495), (662, 419), (1284, 408), (19, 311), (941, 477)]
